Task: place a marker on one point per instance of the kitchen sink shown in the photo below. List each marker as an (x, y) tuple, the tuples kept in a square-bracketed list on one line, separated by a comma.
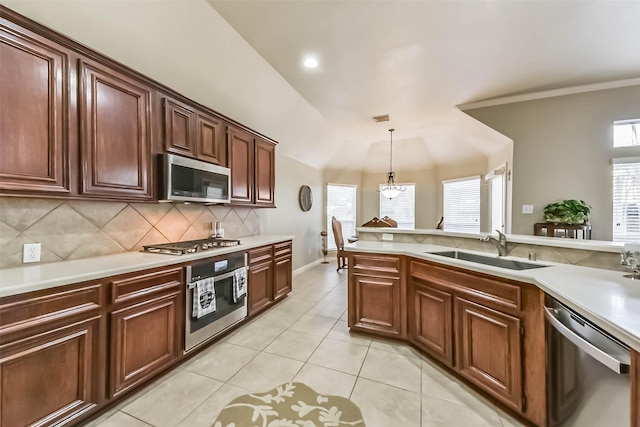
[(487, 260)]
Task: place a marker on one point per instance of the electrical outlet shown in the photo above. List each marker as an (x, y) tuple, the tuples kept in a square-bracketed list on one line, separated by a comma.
[(387, 236), (31, 252), (527, 209)]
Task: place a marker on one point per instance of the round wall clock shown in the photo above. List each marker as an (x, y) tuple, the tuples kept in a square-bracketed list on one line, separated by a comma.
[(306, 198)]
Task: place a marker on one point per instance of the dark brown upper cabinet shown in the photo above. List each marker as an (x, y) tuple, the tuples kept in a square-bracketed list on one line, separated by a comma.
[(252, 163), (115, 133), (34, 117), (193, 133)]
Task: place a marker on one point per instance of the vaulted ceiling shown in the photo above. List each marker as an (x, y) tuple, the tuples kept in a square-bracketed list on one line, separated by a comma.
[(417, 60)]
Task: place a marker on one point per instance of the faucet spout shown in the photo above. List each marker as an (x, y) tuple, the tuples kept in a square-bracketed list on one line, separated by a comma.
[(500, 243)]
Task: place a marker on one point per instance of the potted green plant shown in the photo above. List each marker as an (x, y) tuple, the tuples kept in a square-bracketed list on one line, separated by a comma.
[(568, 211)]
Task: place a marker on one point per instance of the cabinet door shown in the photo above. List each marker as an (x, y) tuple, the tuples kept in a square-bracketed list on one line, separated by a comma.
[(260, 287), (179, 123), (34, 117), (211, 143), (51, 378), (115, 134), (488, 351), (432, 321), (145, 338), (240, 161), (375, 305), (264, 173), (282, 277)]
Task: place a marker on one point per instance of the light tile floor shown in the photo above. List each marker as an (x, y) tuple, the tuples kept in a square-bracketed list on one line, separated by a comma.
[(305, 338)]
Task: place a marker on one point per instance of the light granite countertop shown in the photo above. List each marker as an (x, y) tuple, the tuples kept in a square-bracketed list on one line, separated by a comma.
[(603, 296), (36, 277)]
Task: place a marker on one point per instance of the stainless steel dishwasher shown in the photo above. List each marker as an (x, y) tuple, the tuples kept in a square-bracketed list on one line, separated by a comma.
[(588, 380)]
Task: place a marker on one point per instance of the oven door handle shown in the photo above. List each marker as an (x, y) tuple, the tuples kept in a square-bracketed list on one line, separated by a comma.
[(220, 277)]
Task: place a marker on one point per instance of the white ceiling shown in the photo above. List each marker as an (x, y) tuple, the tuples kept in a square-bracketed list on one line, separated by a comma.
[(417, 60)]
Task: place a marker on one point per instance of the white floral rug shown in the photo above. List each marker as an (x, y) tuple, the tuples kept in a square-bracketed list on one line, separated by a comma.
[(289, 405)]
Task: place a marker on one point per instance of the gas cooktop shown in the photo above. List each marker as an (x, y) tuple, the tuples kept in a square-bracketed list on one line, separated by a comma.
[(190, 246)]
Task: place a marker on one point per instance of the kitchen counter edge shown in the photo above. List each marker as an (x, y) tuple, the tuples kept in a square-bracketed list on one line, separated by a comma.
[(18, 280)]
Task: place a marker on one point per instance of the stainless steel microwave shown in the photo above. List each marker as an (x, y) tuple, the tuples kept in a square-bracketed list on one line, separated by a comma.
[(189, 180)]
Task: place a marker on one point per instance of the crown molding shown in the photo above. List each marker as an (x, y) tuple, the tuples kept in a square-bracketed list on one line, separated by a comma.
[(549, 94)]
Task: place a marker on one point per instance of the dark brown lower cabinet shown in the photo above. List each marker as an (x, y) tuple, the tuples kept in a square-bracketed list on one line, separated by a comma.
[(282, 270), (270, 275), (431, 321), (489, 351), (377, 300), (635, 388), (52, 347), (146, 331), (260, 287)]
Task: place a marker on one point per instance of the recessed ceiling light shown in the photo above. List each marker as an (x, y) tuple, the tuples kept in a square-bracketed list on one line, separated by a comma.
[(311, 62)]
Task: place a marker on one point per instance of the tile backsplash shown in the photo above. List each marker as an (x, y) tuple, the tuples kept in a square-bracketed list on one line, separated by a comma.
[(70, 229)]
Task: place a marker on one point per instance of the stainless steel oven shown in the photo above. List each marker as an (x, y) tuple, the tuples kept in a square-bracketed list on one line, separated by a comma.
[(587, 372), (229, 310)]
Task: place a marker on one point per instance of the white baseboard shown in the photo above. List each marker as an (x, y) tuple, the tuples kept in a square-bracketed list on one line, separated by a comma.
[(306, 267)]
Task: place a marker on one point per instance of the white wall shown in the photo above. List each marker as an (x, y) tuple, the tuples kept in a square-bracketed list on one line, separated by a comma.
[(562, 149), (288, 218)]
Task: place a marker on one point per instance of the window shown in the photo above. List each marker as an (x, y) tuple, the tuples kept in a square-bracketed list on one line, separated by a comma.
[(496, 194), (626, 133), (401, 208), (461, 200), (341, 203), (626, 200)]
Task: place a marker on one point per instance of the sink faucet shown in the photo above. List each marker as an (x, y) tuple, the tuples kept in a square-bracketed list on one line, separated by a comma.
[(500, 243)]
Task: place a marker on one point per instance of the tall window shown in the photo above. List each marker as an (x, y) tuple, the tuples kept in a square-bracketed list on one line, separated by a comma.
[(496, 193), (626, 200), (461, 200), (341, 203), (626, 133), (401, 208)]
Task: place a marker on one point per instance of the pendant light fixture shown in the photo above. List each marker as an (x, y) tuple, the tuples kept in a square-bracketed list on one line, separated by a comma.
[(391, 190)]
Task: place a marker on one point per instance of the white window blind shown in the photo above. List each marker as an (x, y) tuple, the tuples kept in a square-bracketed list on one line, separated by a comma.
[(401, 208), (626, 133), (626, 201), (461, 200), (341, 203)]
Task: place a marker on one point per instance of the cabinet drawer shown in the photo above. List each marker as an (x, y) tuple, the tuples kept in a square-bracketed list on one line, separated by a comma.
[(280, 249), (375, 265), (20, 312), (142, 286), (496, 292), (261, 254)]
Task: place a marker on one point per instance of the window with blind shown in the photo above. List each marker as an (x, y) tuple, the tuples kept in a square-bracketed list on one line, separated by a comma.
[(461, 200), (401, 208), (341, 203), (626, 133), (626, 200)]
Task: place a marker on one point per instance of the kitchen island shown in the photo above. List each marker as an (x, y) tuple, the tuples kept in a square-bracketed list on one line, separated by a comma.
[(484, 323)]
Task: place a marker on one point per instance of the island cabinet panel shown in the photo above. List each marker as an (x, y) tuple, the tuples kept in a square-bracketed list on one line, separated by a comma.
[(431, 320), (115, 133), (489, 330), (52, 347), (377, 301), (489, 351), (146, 331), (34, 118)]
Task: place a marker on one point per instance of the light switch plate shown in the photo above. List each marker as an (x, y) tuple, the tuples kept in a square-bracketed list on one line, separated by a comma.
[(527, 209), (387, 236), (31, 252)]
